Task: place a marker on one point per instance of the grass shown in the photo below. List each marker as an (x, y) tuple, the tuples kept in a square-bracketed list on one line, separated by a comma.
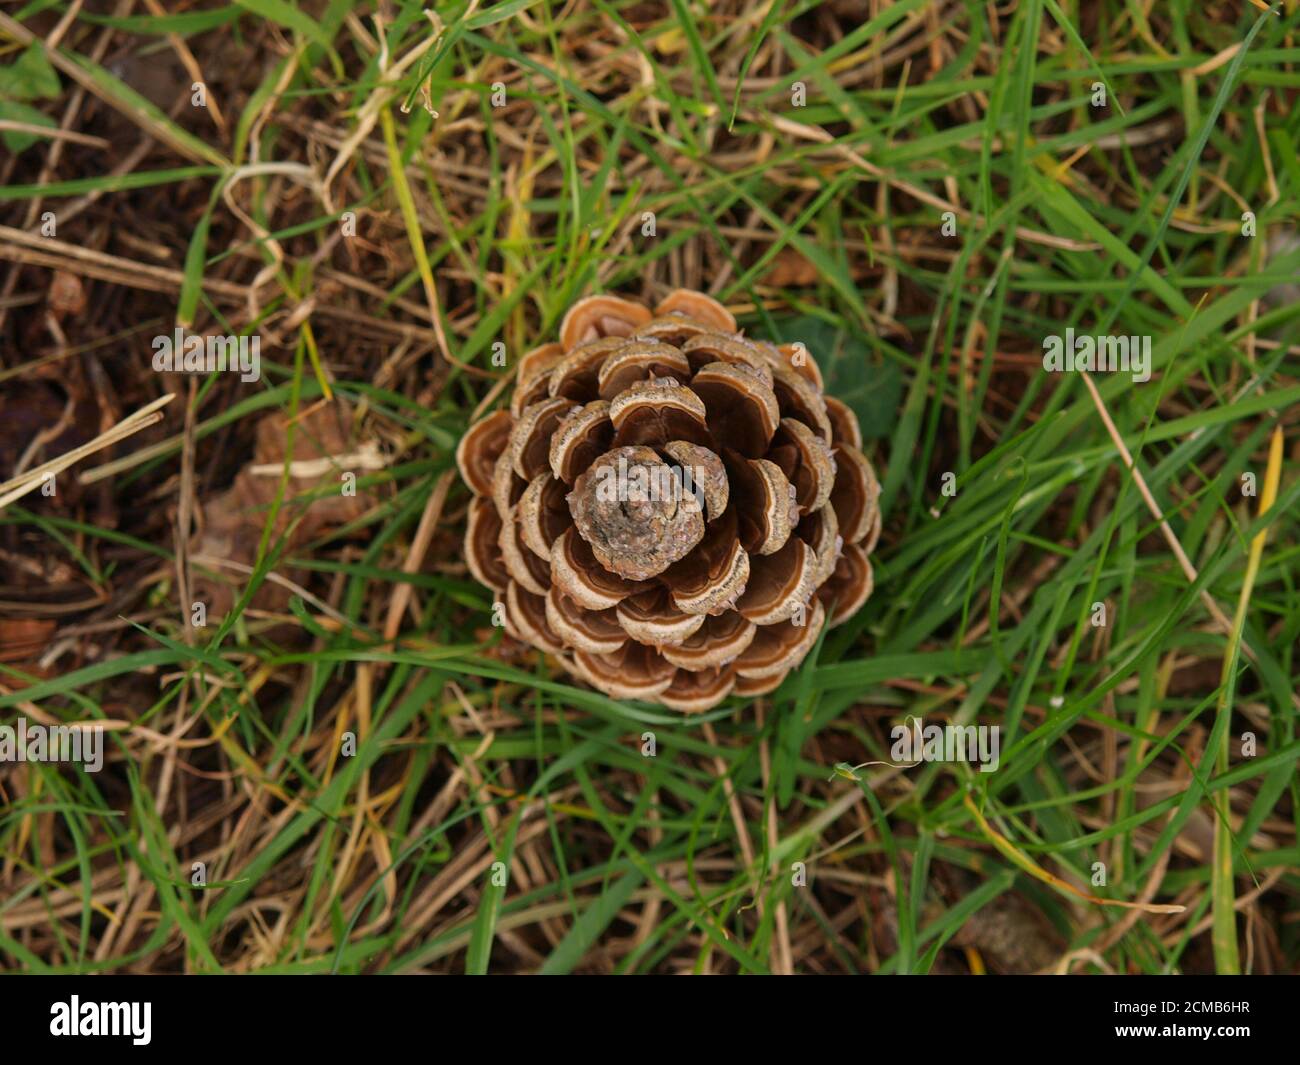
[(371, 779)]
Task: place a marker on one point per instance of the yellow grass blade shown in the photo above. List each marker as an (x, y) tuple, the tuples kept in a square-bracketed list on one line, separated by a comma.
[(1227, 960), (1022, 861)]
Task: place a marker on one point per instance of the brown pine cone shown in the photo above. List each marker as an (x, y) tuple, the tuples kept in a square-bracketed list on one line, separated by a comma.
[(668, 507)]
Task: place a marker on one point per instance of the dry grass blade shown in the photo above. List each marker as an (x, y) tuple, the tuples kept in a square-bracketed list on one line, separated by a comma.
[(17, 487)]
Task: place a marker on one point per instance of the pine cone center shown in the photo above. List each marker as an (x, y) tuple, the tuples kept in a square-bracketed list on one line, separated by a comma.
[(636, 512)]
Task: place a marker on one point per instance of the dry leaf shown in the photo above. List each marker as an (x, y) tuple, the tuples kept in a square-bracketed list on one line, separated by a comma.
[(324, 452)]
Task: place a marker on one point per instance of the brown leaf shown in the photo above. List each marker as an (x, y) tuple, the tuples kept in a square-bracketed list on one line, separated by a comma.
[(324, 451), (24, 638), (790, 269)]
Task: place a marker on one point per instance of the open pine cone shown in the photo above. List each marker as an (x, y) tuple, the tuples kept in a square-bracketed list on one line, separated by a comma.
[(670, 508)]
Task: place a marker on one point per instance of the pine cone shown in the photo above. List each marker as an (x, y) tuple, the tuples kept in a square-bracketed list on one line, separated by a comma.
[(670, 508)]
